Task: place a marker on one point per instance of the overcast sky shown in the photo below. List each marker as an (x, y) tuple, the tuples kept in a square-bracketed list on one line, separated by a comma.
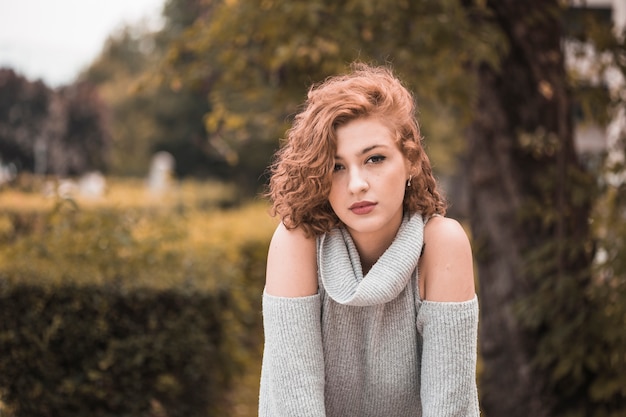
[(55, 39)]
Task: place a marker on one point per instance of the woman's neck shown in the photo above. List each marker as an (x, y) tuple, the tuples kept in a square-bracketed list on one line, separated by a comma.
[(371, 246)]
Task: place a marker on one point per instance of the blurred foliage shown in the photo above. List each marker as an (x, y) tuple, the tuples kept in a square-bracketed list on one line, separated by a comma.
[(84, 350), (147, 116), (580, 321), (260, 74), (218, 84), (583, 343), (116, 308), (609, 358), (153, 239)]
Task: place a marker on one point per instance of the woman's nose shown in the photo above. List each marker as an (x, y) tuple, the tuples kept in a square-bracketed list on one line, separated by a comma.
[(358, 181)]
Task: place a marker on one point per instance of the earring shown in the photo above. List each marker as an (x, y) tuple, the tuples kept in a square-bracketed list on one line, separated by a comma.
[(408, 183)]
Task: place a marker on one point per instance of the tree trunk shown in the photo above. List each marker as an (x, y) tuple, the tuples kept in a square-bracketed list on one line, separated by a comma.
[(520, 158)]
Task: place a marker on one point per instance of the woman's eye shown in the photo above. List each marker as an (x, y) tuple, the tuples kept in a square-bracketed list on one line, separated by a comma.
[(376, 159), (338, 167)]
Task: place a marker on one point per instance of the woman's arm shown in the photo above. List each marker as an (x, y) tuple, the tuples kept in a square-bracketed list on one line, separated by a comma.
[(448, 322), (446, 271), (291, 264), (292, 376)]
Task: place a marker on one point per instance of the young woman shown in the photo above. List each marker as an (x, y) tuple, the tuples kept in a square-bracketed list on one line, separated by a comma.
[(369, 305)]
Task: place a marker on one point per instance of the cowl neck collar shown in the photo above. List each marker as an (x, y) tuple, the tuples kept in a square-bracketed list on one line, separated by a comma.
[(340, 266)]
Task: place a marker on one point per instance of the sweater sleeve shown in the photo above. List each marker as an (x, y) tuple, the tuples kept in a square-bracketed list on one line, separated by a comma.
[(448, 380), (292, 375)]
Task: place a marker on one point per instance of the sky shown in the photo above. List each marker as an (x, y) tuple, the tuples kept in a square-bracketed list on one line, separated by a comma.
[(54, 40)]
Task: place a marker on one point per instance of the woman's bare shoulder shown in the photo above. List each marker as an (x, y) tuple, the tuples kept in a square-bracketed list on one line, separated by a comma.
[(291, 264), (446, 267)]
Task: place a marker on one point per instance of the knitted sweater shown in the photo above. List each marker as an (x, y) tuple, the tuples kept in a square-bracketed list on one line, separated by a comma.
[(369, 346)]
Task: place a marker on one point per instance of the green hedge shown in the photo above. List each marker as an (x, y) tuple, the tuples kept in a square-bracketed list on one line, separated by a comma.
[(79, 351), (132, 313)]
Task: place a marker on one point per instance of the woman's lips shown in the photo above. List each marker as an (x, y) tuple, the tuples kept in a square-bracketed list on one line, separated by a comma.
[(362, 207)]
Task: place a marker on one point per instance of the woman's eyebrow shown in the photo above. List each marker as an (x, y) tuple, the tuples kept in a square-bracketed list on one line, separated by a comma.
[(365, 150), (371, 148)]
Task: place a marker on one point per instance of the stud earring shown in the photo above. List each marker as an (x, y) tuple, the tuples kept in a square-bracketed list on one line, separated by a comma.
[(408, 183)]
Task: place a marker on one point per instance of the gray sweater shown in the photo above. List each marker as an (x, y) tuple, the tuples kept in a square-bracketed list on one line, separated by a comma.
[(369, 346)]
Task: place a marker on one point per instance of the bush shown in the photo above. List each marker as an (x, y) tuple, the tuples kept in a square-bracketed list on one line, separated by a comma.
[(136, 311), (93, 350)]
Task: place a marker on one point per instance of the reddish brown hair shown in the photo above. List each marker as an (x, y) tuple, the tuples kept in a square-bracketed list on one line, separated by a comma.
[(301, 174)]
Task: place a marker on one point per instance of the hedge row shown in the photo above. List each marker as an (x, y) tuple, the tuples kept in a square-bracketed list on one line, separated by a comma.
[(132, 313), (78, 351)]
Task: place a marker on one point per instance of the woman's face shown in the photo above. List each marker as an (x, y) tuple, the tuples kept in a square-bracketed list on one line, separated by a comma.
[(369, 179)]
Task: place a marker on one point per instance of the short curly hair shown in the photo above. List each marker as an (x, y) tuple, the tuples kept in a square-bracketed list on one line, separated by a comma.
[(301, 173)]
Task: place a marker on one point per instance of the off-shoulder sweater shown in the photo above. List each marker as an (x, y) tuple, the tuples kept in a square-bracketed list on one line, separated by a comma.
[(368, 346)]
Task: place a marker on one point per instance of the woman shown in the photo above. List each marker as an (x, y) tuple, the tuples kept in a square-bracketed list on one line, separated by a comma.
[(369, 305)]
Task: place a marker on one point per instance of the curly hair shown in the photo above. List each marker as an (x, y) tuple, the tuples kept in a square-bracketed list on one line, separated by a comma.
[(301, 173)]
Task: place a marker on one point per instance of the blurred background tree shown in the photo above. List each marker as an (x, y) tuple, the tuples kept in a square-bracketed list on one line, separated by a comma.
[(260, 58), (217, 85), (530, 204), (23, 114), (61, 132), (548, 313)]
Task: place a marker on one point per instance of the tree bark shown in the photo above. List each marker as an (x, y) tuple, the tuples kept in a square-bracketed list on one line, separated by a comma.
[(520, 153)]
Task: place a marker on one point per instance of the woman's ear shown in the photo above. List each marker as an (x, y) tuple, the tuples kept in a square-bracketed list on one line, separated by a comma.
[(409, 168)]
